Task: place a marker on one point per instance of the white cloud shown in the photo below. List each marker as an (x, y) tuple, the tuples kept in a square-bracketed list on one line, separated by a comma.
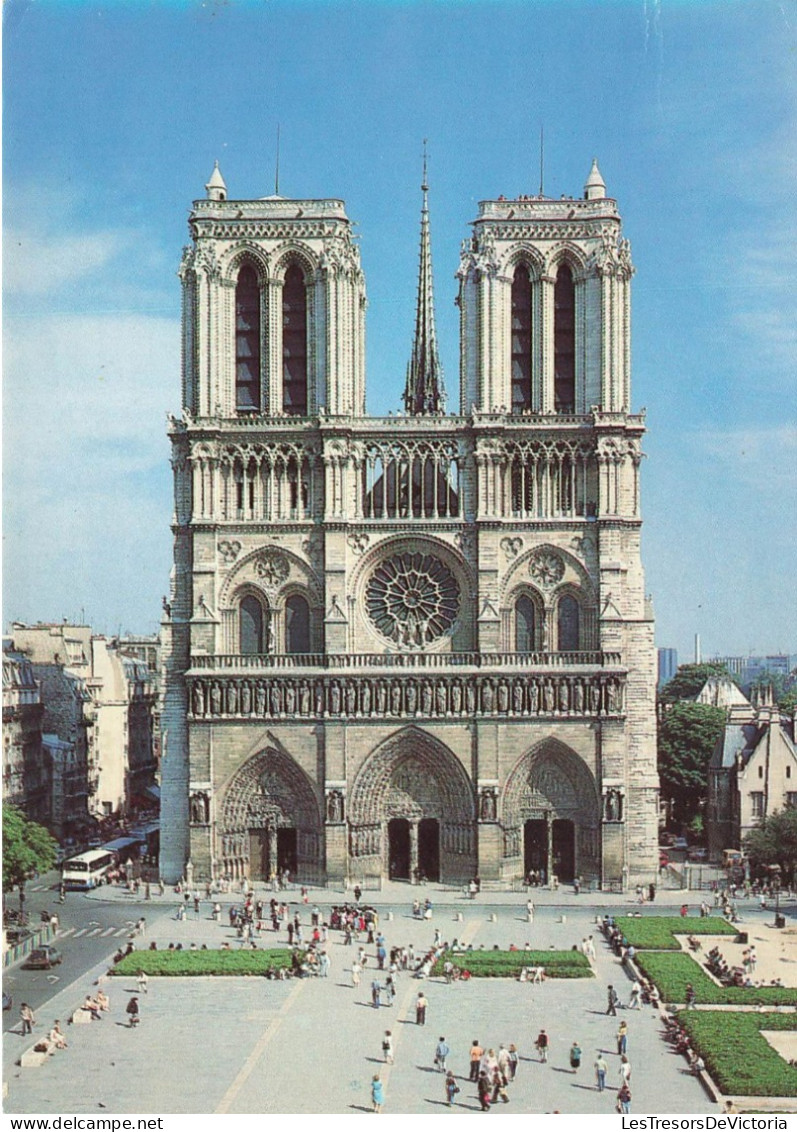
[(37, 264)]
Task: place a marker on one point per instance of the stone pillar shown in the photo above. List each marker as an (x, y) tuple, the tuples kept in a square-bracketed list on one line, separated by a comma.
[(272, 848), (549, 830), (413, 849)]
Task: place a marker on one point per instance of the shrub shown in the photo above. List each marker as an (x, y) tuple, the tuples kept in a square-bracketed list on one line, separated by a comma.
[(737, 1056), (658, 932), (203, 962), (671, 973), (508, 964)]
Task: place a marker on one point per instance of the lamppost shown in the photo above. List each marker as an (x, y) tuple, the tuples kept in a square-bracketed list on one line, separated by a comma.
[(775, 871)]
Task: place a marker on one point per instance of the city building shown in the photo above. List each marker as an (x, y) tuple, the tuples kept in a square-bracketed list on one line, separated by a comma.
[(667, 666), (416, 645), (755, 669), (752, 773), (98, 712), (26, 779)]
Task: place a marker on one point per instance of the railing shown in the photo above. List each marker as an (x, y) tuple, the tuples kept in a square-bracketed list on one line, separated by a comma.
[(407, 660)]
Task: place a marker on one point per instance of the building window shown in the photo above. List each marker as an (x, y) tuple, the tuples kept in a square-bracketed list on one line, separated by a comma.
[(252, 624), (568, 624), (757, 804), (525, 625), (247, 341), (297, 625), (791, 800), (564, 298), (294, 343), (521, 340)]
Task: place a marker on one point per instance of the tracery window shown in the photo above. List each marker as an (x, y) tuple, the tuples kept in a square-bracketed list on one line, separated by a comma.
[(525, 624), (252, 626), (294, 343), (247, 341), (403, 481), (297, 625), (521, 340), (568, 623), (412, 599), (564, 341)]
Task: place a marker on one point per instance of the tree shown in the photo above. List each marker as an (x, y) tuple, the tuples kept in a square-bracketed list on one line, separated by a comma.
[(689, 679), (688, 733), (774, 842), (27, 849)]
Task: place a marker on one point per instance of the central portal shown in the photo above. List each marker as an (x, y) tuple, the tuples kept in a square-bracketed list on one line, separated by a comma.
[(398, 835)]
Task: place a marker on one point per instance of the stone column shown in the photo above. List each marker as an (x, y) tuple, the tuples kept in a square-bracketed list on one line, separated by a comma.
[(413, 849), (272, 848), (549, 830)]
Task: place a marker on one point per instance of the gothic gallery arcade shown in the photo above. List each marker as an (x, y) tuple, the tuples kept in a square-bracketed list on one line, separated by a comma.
[(416, 645)]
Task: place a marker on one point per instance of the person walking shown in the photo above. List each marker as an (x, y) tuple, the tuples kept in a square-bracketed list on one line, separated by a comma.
[(499, 1087), (28, 1020), (143, 982), (356, 971), (530, 911), (542, 1045), (452, 1088), (622, 1038), (625, 1070), (387, 1047), (476, 1052), (376, 993), (601, 1069), (612, 999), (377, 1093), (635, 1000), (485, 1091), (575, 1057), (421, 1003), (503, 1062), (514, 1060), (441, 1053), (624, 1099), (323, 965), (132, 1012)]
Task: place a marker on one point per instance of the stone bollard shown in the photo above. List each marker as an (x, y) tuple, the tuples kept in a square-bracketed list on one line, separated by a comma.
[(389, 916), (492, 918), (459, 917), (563, 919)]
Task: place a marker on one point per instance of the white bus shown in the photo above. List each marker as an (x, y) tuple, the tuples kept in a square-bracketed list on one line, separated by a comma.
[(87, 870)]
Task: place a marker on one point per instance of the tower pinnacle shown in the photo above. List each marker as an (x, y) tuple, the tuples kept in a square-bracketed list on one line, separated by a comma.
[(424, 393)]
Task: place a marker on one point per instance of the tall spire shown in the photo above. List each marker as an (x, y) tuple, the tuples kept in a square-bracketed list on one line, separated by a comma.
[(424, 393)]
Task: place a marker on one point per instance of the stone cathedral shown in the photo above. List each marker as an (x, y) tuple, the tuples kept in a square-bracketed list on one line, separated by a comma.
[(413, 646)]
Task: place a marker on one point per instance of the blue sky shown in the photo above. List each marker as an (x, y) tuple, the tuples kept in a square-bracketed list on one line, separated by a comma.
[(114, 114)]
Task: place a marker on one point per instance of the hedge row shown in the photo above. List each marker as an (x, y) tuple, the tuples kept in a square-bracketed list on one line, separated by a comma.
[(508, 964), (739, 1059), (203, 962), (658, 932), (671, 973)]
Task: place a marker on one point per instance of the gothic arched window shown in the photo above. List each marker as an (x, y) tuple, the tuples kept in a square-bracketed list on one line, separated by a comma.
[(568, 624), (297, 625), (247, 341), (564, 297), (521, 340), (525, 624), (294, 343), (252, 626)]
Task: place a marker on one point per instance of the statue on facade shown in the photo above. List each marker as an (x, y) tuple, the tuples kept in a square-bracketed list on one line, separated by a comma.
[(290, 700), (334, 699), (199, 809), (534, 697), (548, 695), (442, 699), (232, 698), (487, 696), (614, 805), (335, 807), (411, 698), (488, 805), (578, 697), (199, 699), (517, 697), (215, 697), (260, 699), (365, 698), (246, 698), (351, 699), (564, 696), (304, 698), (503, 696), (456, 697)]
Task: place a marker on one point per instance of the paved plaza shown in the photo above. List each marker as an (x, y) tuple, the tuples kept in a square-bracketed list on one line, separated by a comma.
[(233, 1045)]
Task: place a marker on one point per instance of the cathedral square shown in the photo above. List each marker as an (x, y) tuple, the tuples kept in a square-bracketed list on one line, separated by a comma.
[(415, 646)]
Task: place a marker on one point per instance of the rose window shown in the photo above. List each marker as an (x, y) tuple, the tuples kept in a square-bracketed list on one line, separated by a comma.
[(412, 599)]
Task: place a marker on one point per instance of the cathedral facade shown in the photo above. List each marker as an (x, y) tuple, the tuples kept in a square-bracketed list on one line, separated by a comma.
[(416, 645)]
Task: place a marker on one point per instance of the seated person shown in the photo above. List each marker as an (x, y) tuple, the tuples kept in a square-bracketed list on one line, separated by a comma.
[(56, 1036)]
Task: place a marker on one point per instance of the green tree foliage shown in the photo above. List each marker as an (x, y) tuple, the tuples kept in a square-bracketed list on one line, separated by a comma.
[(774, 842), (688, 733), (27, 849), (689, 679)]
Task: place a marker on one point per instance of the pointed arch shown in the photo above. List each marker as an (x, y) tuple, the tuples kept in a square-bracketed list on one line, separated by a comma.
[(248, 344)]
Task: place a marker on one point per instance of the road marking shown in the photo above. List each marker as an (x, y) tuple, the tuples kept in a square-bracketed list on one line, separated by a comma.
[(81, 932), (65, 931), (108, 931), (257, 1052), (95, 931), (121, 931)]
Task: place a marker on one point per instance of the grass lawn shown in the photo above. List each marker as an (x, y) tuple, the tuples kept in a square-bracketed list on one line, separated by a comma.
[(507, 964), (739, 1059), (658, 932), (203, 962), (671, 973)]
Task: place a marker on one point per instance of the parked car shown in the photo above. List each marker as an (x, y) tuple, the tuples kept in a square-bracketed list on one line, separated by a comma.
[(680, 843), (43, 958), (8, 1001), (698, 853), (666, 839)]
